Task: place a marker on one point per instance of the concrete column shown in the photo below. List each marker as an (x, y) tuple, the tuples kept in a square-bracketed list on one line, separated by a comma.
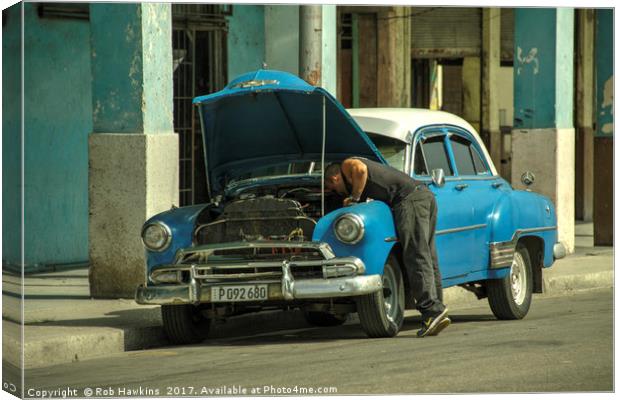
[(317, 46), (584, 99), (603, 140), (491, 42), (471, 91), (543, 138), (310, 43), (133, 151), (394, 57), (329, 43)]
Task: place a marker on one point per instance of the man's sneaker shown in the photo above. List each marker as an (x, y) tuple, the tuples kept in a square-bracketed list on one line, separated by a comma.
[(435, 324), (443, 324)]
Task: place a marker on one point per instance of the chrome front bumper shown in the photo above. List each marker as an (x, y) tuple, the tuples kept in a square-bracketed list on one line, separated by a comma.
[(300, 289), (342, 277)]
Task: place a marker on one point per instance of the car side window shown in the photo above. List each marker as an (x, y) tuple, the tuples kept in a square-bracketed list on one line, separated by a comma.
[(481, 168), (431, 154), (467, 158), (462, 155)]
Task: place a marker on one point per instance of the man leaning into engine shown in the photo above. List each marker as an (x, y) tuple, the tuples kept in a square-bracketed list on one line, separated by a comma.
[(415, 215)]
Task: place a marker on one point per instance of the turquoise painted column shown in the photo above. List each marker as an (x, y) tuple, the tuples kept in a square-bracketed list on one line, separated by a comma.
[(133, 151), (543, 139), (603, 139)]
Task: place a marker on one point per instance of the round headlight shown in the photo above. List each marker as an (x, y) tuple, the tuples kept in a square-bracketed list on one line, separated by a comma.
[(349, 228), (156, 236)]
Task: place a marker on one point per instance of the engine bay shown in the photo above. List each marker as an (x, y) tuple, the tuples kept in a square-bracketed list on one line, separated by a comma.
[(268, 212)]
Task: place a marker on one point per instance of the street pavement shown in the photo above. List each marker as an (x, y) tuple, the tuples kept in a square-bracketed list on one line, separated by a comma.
[(564, 344)]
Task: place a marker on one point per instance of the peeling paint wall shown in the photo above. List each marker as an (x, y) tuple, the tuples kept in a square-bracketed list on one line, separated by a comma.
[(534, 68), (157, 61), (604, 72), (246, 39), (282, 37), (116, 86), (57, 103)]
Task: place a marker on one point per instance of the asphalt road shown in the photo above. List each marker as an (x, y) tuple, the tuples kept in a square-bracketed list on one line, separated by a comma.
[(564, 344)]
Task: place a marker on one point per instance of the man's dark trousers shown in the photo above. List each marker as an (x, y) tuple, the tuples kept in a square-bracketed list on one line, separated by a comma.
[(415, 217)]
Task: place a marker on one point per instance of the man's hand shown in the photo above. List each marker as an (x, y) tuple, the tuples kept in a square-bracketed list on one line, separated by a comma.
[(348, 201)]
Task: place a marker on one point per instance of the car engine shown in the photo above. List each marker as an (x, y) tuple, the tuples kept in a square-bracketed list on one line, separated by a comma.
[(267, 213)]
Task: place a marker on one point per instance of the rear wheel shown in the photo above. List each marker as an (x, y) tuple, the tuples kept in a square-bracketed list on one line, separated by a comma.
[(510, 297), (184, 323), (322, 318), (381, 313)]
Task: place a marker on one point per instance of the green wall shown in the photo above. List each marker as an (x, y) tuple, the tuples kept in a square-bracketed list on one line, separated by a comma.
[(246, 39), (282, 37), (11, 136), (58, 119)]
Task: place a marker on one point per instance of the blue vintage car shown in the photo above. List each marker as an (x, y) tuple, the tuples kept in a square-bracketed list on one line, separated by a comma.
[(271, 238)]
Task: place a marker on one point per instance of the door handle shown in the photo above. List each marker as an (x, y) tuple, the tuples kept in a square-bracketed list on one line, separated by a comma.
[(496, 184), (461, 186)]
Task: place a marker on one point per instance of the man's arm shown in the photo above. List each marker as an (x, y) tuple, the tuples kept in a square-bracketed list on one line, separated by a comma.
[(355, 172)]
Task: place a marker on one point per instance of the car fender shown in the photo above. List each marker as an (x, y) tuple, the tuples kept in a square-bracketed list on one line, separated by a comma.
[(379, 234), (518, 214)]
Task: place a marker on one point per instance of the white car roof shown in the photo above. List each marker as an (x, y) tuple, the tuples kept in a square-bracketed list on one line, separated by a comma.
[(401, 123)]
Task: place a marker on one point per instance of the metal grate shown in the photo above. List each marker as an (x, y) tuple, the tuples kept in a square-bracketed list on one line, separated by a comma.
[(199, 51)]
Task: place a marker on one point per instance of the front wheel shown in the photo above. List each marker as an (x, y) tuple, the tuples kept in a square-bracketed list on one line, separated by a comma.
[(184, 323), (382, 313), (510, 297)]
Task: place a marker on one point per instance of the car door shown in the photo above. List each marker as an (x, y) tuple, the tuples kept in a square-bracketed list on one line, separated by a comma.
[(475, 177), (454, 235)]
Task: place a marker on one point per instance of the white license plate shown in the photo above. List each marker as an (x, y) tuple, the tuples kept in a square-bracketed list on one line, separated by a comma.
[(239, 293)]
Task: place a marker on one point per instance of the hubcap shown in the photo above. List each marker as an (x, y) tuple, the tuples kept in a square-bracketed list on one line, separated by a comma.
[(389, 301), (518, 279)]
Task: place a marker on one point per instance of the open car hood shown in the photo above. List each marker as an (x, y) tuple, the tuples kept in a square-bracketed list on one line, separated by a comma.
[(266, 118)]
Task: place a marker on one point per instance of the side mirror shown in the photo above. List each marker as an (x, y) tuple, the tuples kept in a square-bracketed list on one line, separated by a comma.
[(528, 178), (438, 177)]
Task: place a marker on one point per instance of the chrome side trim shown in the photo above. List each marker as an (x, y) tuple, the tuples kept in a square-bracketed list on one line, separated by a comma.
[(502, 253), (460, 229)]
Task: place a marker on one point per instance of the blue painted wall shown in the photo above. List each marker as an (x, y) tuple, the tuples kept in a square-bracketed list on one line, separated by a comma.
[(604, 72), (246, 39), (11, 136), (58, 119)]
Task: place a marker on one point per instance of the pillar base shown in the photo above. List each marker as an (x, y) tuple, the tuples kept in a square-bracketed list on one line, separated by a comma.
[(131, 178), (604, 191), (550, 155)]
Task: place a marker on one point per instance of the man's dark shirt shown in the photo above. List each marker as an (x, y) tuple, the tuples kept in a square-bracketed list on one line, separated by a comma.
[(385, 183)]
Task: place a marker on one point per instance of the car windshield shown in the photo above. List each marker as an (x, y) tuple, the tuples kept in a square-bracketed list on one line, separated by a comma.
[(393, 150)]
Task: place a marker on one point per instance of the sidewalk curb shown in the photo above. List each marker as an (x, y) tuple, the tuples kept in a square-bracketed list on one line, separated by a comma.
[(88, 343)]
